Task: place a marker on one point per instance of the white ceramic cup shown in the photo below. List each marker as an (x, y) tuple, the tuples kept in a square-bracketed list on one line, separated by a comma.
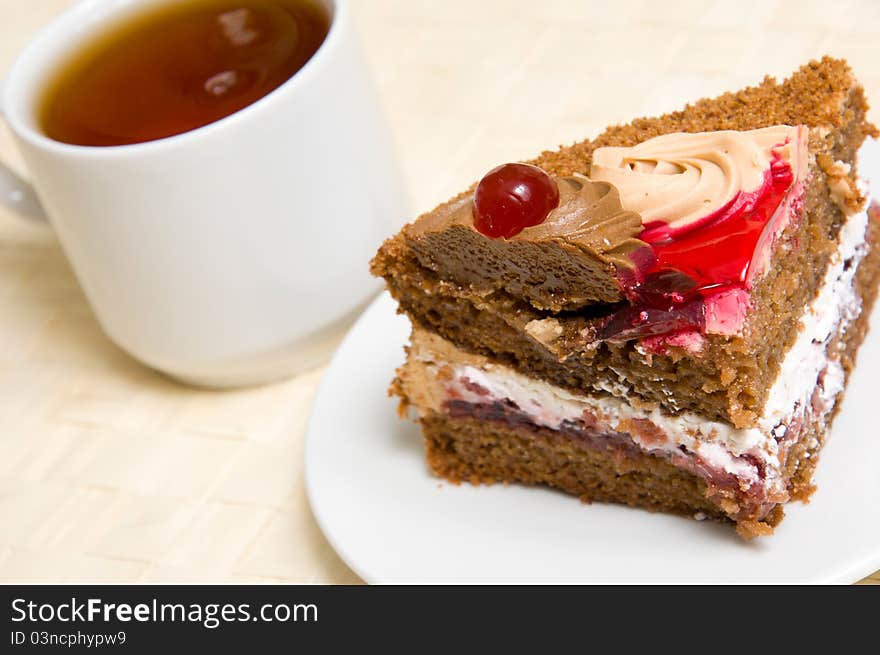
[(231, 254)]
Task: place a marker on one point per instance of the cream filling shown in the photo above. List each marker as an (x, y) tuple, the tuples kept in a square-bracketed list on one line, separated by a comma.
[(719, 444), (835, 305), (550, 406)]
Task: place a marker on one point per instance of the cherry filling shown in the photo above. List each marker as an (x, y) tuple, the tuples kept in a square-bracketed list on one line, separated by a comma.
[(754, 497), (513, 197), (668, 292)]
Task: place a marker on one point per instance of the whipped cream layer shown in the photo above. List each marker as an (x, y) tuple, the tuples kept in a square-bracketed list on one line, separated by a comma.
[(683, 179), (804, 392)]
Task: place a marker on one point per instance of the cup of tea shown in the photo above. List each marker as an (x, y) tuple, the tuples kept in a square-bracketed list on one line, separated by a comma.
[(218, 172)]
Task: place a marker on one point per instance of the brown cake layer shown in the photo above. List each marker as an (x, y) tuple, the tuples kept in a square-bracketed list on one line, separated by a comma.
[(473, 449), (730, 377)]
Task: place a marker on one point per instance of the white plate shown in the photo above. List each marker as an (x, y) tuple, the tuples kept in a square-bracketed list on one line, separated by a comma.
[(392, 522)]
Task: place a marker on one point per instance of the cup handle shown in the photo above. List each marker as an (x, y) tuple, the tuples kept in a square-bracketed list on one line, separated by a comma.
[(15, 193)]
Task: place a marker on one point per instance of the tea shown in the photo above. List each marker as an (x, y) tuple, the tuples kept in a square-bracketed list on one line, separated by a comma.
[(178, 67)]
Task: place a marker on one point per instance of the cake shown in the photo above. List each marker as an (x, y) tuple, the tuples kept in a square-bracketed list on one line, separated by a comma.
[(664, 316)]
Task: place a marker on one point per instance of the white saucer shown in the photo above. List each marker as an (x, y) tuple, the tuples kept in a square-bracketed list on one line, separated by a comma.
[(392, 522)]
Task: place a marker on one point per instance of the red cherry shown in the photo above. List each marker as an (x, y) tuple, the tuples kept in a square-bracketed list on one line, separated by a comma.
[(512, 197), (664, 289), (639, 322)]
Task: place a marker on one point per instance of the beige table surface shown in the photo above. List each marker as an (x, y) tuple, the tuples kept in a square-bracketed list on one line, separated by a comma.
[(111, 473)]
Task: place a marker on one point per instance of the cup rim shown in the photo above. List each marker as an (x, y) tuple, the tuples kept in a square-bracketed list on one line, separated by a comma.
[(66, 23)]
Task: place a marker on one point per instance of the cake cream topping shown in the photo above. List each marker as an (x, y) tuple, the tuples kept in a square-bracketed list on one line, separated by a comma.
[(713, 205), (589, 216), (682, 178)]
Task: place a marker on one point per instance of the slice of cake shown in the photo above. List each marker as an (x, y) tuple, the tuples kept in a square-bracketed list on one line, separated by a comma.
[(664, 316)]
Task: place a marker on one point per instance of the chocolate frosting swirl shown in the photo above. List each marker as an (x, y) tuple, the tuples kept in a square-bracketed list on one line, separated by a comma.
[(575, 257), (590, 216)]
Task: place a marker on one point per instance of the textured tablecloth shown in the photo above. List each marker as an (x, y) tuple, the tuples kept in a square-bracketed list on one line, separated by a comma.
[(111, 473)]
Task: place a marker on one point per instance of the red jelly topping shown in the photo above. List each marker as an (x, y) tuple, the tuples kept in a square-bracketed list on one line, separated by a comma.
[(513, 197), (698, 261)]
